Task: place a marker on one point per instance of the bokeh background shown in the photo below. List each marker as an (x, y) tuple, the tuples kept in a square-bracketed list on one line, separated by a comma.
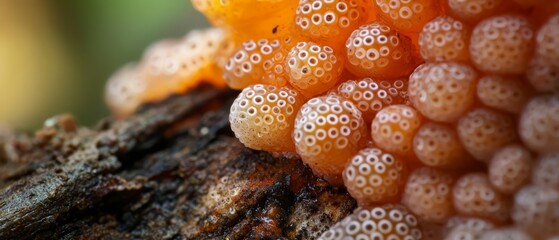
[(55, 56)]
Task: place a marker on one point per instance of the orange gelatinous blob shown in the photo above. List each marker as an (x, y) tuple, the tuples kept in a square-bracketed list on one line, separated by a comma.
[(476, 10), (384, 222), (460, 228), (535, 210), (408, 16), (176, 66), (545, 171), (543, 76), (394, 127), (257, 62), (502, 44), (510, 168), (330, 22), (371, 96), (124, 91), (474, 196), (505, 234), (484, 131), (428, 194), (250, 19), (263, 116), (374, 176), (328, 132), (313, 69), (547, 40), (438, 145), (443, 91), (508, 94), (538, 125), (375, 50), (444, 39)]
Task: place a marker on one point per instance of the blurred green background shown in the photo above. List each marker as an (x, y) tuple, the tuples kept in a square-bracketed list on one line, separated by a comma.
[(55, 56)]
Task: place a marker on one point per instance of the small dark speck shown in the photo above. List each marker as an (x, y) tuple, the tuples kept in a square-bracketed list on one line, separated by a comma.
[(275, 30)]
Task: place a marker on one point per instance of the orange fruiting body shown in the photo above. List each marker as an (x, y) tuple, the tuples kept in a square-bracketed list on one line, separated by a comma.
[(262, 117), (438, 145), (374, 176), (547, 40), (428, 194), (545, 171), (371, 96), (375, 50), (444, 39), (474, 196), (330, 21), (313, 69), (502, 44), (176, 66), (504, 93), (257, 62), (484, 131), (408, 16), (328, 132), (474, 10), (535, 210), (384, 222), (538, 125), (443, 91), (460, 228), (250, 19), (124, 91), (394, 127), (510, 168)]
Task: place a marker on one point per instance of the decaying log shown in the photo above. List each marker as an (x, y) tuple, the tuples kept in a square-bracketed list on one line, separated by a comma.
[(172, 171)]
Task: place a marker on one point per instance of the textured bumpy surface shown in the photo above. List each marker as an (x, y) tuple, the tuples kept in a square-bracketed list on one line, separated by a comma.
[(172, 171)]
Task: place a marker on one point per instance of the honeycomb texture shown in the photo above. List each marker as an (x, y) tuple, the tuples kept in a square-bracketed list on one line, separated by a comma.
[(536, 210), (547, 40), (313, 69), (329, 131), (438, 145), (379, 223), (375, 50), (408, 16), (474, 196), (444, 39), (330, 21), (545, 171), (428, 195), (443, 91), (508, 94), (502, 44), (255, 62), (484, 131), (539, 127), (505, 234), (124, 91), (459, 228), (262, 117), (394, 127), (371, 96), (374, 176), (510, 168)]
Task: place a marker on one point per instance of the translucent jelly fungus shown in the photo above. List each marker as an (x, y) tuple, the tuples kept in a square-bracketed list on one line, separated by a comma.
[(263, 116)]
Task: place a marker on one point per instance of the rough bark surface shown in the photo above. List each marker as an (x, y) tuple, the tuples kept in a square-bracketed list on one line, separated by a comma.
[(172, 171)]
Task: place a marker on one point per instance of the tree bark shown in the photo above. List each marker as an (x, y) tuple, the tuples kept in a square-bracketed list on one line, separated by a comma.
[(174, 170)]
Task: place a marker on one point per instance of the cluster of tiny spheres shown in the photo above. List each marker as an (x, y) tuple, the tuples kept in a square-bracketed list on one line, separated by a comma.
[(440, 117)]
